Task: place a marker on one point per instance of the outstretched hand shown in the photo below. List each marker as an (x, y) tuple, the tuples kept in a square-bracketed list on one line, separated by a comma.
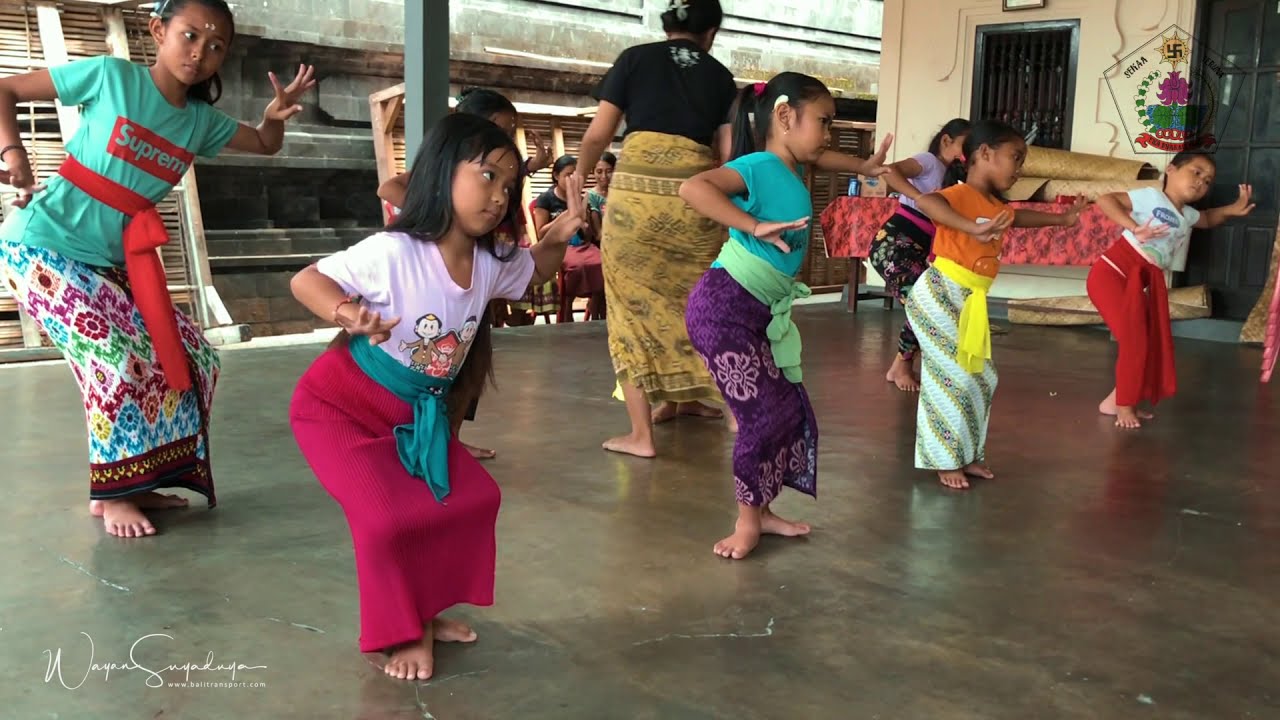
[(569, 222), (1242, 206), (771, 232), (875, 163), (988, 231), (285, 105), (541, 157), (365, 322), (1072, 215), (1149, 231)]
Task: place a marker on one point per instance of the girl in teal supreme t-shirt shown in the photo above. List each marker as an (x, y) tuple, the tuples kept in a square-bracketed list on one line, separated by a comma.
[(79, 253)]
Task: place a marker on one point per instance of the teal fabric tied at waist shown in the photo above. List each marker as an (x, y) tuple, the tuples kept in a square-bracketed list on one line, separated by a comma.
[(776, 290), (424, 445)]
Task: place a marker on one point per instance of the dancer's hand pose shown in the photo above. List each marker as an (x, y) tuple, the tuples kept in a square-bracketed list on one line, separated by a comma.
[(359, 320)]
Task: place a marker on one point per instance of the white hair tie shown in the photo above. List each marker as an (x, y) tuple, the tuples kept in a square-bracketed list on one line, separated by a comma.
[(781, 99), (681, 7)]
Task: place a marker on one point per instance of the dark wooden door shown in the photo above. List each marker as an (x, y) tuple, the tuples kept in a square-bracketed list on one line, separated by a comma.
[(1233, 258)]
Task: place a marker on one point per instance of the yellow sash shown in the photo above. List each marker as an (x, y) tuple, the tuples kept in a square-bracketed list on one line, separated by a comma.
[(973, 339)]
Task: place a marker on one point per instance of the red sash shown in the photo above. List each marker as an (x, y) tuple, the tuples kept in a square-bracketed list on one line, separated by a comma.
[(144, 233)]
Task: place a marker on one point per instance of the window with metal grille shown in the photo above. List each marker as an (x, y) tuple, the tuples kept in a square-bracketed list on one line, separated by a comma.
[(1024, 74)]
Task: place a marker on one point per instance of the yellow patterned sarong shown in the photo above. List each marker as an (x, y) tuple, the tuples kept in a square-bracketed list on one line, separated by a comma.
[(655, 249)]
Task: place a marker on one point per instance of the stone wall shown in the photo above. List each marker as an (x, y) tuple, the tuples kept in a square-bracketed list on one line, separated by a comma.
[(836, 41)]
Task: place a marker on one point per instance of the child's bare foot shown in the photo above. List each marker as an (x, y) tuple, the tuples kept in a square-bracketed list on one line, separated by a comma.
[(902, 375), (1108, 406), (631, 445), (480, 453), (746, 534), (978, 469), (124, 518), (664, 412), (953, 479), (771, 524), (452, 631), (415, 660), (1127, 418), (697, 409)]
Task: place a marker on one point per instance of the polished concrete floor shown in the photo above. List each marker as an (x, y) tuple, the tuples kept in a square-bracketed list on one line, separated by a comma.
[(1103, 575)]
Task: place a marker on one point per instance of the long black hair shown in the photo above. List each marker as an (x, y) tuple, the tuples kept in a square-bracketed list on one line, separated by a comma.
[(991, 133), (954, 128), (484, 102), (209, 90), (695, 17), (563, 163), (757, 102), (428, 214)]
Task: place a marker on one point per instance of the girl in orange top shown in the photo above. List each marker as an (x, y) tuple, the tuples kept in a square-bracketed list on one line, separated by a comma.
[(948, 306)]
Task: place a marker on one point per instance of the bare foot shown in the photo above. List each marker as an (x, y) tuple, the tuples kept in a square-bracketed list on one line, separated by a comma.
[(413, 661), (124, 518), (1126, 418), (697, 409), (145, 501), (745, 537), (1108, 406), (953, 479), (631, 445), (480, 453), (664, 412), (452, 631), (980, 470), (901, 374), (771, 524)]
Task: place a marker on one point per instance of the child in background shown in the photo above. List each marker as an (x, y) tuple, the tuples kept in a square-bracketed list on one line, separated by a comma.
[(948, 307), (370, 413), (900, 252), (80, 255), (1127, 284)]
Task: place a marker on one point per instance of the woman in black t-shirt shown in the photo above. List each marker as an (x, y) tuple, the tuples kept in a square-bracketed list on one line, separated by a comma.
[(675, 99)]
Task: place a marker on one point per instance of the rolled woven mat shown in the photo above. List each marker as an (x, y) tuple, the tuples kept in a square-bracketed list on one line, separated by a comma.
[(1184, 304), (1048, 173)]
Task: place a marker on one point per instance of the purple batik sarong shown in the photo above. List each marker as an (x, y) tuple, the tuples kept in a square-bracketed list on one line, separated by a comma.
[(777, 441)]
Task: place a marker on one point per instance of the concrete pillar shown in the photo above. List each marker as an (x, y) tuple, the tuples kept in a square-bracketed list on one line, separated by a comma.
[(426, 69)]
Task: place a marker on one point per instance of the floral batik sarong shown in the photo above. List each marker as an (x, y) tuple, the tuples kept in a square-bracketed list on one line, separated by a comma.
[(142, 435), (777, 441)]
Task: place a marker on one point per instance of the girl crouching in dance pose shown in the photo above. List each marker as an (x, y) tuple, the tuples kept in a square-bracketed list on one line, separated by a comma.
[(80, 254), (739, 313), (370, 414), (948, 306), (1127, 283)]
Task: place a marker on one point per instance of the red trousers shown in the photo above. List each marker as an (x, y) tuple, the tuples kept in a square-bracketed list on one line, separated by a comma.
[(1129, 292)]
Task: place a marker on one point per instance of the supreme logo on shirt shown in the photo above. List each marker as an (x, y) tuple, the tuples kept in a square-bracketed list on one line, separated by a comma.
[(149, 152)]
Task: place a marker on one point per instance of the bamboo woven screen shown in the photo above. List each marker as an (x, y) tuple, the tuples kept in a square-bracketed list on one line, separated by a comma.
[(565, 133), (84, 35)]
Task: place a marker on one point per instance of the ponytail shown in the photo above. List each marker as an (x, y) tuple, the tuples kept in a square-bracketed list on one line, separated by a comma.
[(753, 110)]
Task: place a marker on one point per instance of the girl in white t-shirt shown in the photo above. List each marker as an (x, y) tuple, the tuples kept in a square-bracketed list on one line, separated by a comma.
[(370, 414), (1127, 284)]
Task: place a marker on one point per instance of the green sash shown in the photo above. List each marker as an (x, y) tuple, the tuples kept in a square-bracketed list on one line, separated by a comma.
[(776, 290)]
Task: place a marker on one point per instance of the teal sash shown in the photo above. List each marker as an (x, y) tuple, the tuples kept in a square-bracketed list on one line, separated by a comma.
[(424, 445), (776, 290)]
